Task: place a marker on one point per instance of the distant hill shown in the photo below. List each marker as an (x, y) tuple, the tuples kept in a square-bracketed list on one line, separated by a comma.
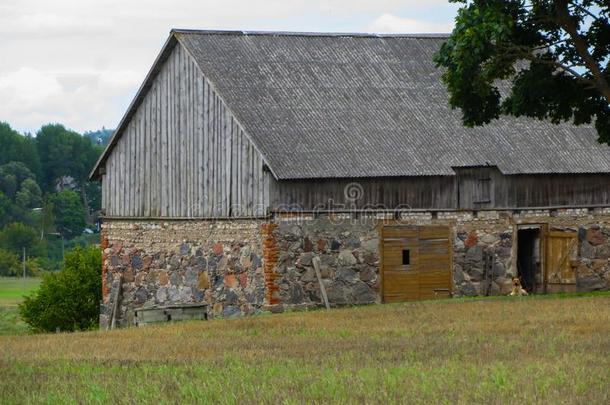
[(99, 137)]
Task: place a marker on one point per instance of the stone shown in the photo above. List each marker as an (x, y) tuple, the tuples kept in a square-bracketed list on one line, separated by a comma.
[(346, 275), (173, 294), (175, 278), (336, 293), (602, 252), (198, 295), (222, 264), (488, 239), (346, 258), (587, 250), (217, 309), (371, 245), (136, 262), (141, 295), (174, 262), (162, 278), (231, 297), (191, 277), (475, 274), (363, 294), (499, 270), (468, 290), (335, 245), (309, 275), (203, 282), (471, 240), (243, 280), (128, 276), (321, 245), (161, 295), (595, 236), (307, 245), (367, 274), (306, 259), (296, 294), (505, 285), (217, 248), (230, 280), (590, 283), (184, 249)]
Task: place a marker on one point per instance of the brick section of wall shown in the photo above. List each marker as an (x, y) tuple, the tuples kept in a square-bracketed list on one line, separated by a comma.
[(270, 254), (169, 262)]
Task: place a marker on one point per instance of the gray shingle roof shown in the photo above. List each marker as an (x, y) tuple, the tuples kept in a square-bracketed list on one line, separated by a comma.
[(349, 105), (358, 105)]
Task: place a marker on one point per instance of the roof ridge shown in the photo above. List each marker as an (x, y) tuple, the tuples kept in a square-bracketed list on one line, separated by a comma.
[(308, 34)]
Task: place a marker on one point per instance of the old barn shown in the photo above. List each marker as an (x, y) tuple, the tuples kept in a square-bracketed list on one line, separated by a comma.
[(260, 171)]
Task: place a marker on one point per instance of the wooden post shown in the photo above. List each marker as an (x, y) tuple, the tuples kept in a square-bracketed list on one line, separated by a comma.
[(316, 266)]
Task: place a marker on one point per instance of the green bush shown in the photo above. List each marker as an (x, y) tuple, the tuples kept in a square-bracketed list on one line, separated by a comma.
[(67, 300), (9, 264)]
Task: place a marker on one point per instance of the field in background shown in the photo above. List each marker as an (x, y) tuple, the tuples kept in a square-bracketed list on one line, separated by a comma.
[(12, 291), (530, 349)]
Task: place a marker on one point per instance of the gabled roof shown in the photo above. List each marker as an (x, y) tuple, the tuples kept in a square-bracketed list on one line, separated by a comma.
[(357, 105)]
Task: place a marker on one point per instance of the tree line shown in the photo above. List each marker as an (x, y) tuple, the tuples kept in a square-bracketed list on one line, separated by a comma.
[(46, 201)]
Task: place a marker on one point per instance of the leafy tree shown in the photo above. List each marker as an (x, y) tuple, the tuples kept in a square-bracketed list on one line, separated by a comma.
[(16, 236), (9, 264), (66, 153), (18, 148), (29, 196), (69, 213), (68, 300), (5, 209), (552, 56), (12, 175)]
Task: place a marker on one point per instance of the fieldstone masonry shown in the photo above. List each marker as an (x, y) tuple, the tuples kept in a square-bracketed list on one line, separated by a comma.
[(349, 260), (169, 262), (242, 267)]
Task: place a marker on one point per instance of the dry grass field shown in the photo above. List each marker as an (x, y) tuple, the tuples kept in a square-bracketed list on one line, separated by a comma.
[(523, 350)]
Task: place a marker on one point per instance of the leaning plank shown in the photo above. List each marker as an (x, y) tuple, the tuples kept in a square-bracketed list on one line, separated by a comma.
[(316, 266)]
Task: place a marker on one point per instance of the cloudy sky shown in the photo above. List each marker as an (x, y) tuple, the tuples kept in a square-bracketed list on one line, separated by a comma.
[(80, 62)]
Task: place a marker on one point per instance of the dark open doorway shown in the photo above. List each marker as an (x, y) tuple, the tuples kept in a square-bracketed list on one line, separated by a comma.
[(529, 264)]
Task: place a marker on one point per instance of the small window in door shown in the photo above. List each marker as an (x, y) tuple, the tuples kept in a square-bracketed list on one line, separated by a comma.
[(406, 257), (483, 191)]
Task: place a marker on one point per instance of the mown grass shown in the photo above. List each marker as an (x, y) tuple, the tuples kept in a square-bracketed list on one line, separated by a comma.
[(457, 351), (12, 291)]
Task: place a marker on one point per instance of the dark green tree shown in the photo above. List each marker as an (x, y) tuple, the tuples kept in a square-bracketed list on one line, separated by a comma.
[(16, 236), (9, 264), (551, 56), (12, 175), (18, 148), (29, 195), (69, 213), (64, 153), (68, 300)]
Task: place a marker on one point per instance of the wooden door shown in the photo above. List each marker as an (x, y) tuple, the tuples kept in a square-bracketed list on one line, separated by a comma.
[(416, 263), (400, 257), (434, 262), (561, 248)]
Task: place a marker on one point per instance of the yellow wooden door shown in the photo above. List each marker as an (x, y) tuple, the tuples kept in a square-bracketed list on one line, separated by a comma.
[(561, 250), (416, 263), (399, 264), (434, 262)]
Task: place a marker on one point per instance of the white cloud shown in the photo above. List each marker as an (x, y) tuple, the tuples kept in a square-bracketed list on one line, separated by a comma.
[(388, 23), (80, 62), (80, 100)]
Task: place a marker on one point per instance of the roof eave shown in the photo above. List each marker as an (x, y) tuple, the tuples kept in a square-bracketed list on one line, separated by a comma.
[(169, 45)]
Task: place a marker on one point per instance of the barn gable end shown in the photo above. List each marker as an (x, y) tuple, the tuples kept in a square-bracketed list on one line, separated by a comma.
[(182, 153)]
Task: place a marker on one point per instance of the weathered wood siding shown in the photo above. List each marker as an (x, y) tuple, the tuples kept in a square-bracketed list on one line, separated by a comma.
[(383, 193), (444, 192), (183, 154)]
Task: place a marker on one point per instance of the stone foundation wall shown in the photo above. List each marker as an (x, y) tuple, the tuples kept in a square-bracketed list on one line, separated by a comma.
[(166, 262), (349, 261), (240, 267)]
